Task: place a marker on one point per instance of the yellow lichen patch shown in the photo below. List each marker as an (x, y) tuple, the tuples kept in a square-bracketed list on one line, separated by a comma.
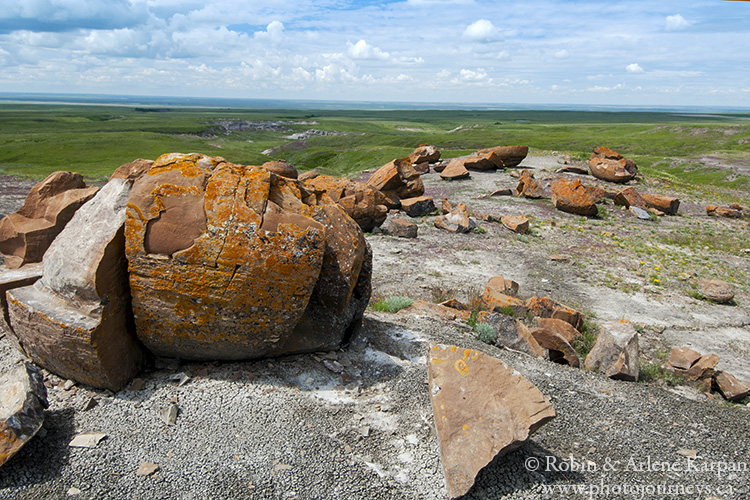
[(188, 165)]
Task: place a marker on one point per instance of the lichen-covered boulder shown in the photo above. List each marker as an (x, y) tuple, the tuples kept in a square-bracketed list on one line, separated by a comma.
[(76, 321), (362, 202), (611, 166), (573, 197), (232, 262), (25, 235), (528, 186), (397, 180)]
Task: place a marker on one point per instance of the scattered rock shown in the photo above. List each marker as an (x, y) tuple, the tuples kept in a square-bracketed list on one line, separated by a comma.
[(363, 203), (528, 187), (730, 387), (482, 161), (499, 302), (716, 290), (683, 358), (25, 235), (76, 321), (703, 369), (87, 440), (507, 156), (573, 197), (232, 262), (23, 398), (424, 308), (422, 168), (639, 212), (516, 223), (425, 153), (169, 414), (402, 228), (397, 180), (482, 409), (282, 168), (545, 307), (146, 469), (502, 192), (512, 334), (630, 197), (457, 220), (419, 206), (573, 169), (616, 352), (610, 166), (560, 327), (727, 212), (455, 304), (91, 404), (501, 285), (455, 170), (667, 204), (560, 350)]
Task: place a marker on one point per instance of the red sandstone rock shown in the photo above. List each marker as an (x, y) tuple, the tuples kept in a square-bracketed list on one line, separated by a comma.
[(731, 388), (25, 235), (716, 290), (440, 311), (482, 409), (501, 285), (456, 220), (667, 204), (610, 166), (282, 168), (560, 327), (529, 187), (507, 156), (683, 358), (259, 268), (516, 223), (726, 212), (419, 206), (397, 180), (560, 350), (573, 197), (424, 153), (363, 203), (482, 161), (402, 228), (547, 308), (455, 170), (630, 197)]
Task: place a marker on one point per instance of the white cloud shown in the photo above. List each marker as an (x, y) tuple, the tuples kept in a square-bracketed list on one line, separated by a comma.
[(482, 31), (634, 68), (562, 54), (676, 22), (362, 50), (274, 31), (473, 76)]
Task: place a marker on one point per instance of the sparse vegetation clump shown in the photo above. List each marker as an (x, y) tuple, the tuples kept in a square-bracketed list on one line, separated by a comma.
[(486, 333), (589, 333), (655, 372), (392, 304)]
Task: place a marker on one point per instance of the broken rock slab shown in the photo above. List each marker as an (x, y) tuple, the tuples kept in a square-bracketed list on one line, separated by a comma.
[(25, 235), (573, 197), (232, 262), (507, 156), (730, 387), (77, 321), (402, 228), (15, 278), (482, 409), (611, 166), (23, 399), (363, 203), (544, 307), (424, 153), (396, 180), (457, 220), (528, 186), (419, 206), (560, 350), (726, 212), (455, 170), (616, 352)]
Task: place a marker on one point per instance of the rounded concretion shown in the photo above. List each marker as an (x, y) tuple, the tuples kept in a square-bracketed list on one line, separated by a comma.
[(232, 262)]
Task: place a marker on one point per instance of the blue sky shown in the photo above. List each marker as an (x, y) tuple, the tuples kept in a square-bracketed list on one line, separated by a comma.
[(629, 52)]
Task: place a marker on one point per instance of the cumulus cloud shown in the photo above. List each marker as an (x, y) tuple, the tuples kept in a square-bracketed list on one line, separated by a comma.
[(473, 76), (634, 68), (676, 22), (482, 31), (362, 50), (274, 31)]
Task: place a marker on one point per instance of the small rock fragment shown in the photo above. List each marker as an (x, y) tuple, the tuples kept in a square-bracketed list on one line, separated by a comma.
[(87, 440), (169, 414), (333, 365), (683, 357), (402, 228), (418, 206), (731, 388), (146, 469), (516, 223)]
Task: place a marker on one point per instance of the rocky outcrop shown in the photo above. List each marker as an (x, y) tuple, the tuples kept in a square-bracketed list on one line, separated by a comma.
[(232, 262), (397, 180), (424, 153), (611, 166), (419, 206), (363, 203), (455, 219), (573, 197), (507, 156), (23, 399), (716, 290), (25, 235), (482, 409), (616, 352), (455, 170), (77, 321), (282, 168), (528, 187)]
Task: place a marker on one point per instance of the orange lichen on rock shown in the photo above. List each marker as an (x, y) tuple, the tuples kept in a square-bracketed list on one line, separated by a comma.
[(257, 260)]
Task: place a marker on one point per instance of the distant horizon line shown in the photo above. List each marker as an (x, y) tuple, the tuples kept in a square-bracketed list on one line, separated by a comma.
[(328, 104)]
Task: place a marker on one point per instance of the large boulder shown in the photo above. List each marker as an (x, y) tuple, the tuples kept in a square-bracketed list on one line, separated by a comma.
[(419, 206), (507, 156), (25, 235), (23, 399), (616, 352), (363, 203), (661, 202), (573, 197), (482, 409), (726, 212), (611, 166), (231, 262), (77, 320), (482, 161), (716, 290), (397, 180), (282, 168)]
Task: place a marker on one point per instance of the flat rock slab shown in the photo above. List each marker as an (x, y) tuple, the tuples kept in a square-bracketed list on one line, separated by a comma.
[(23, 399), (482, 409)]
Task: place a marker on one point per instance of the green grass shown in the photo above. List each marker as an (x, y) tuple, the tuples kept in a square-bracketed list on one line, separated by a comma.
[(392, 304), (654, 372), (589, 334), (94, 140)]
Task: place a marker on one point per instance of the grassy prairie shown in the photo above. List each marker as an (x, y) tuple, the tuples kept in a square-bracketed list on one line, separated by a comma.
[(38, 139)]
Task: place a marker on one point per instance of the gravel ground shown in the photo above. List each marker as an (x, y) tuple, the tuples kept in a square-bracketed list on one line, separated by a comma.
[(293, 428)]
